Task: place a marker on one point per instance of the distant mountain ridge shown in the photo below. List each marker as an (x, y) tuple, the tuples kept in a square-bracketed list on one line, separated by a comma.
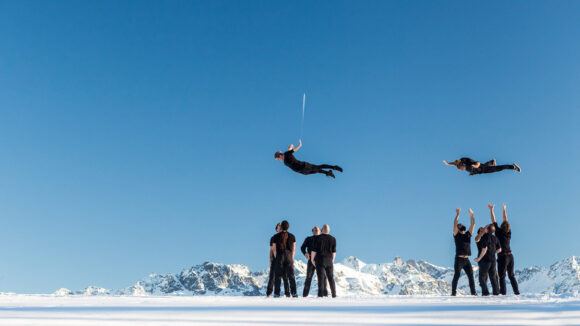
[(353, 277)]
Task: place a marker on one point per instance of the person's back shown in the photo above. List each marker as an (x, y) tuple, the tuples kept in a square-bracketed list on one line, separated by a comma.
[(325, 247), (291, 162), (323, 259), (285, 246)]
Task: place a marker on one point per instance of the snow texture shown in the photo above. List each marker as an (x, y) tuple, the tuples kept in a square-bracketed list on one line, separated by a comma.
[(48, 310)]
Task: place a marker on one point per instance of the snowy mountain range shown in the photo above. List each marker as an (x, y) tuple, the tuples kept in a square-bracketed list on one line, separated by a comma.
[(353, 277)]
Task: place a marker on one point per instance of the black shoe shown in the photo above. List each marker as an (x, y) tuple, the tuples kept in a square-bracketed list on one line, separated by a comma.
[(276, 295), (493, 162), (337, 168), (330, 174), (517, 168), (295, 295), (453, 294)]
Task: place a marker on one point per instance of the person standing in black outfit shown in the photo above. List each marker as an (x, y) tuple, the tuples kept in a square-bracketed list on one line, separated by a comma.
[(489, 246), (304, 167), (306, 248), (505, 259), (284, 248), (462, 252), (323, 260), (271, 277), (475, 167)]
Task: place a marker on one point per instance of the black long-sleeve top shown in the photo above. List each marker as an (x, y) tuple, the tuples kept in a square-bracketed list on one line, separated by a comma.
[(308, 244)]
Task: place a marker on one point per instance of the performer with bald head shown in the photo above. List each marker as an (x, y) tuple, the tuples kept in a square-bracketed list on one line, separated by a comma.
[(323, 260)]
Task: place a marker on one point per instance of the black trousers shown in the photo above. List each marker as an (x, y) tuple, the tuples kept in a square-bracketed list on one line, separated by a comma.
[(325, 272), (310, 269), (284, 266), (313, 168), (505, 263), (487, 270), (491, 169), (462, 264), (271, 279)]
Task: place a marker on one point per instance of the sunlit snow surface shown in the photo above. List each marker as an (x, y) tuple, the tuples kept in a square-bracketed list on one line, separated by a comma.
[(401, 310)]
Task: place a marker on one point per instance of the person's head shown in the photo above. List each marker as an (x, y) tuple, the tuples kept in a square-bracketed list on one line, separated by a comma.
[(505, 226), (481, 230), (461, 166), (316, 230), (461, 228), (279, 227), (491, 228), (284, 226), (325, 229), (279, 156)]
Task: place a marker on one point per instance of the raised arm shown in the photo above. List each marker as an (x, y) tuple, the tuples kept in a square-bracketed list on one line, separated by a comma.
[(472, 218), (455, 229), (491, 207), (452, 163), (299, 145), (504, 213)]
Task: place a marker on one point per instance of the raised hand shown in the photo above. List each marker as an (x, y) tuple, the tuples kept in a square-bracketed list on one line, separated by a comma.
[(490, 206), (457, 210), (504, 206), (470, 212)]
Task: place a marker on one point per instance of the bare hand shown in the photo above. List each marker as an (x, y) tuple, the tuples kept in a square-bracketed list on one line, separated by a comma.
[(490, 206), (457, 210), (470, 212), (504, 206), (476, 260), (307, 255), (445, 162), (299, 142)]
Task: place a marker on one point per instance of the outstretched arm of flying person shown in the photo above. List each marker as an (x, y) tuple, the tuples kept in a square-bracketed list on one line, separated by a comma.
[(504, 213), (491, 207), (472, 218), (455, 229)]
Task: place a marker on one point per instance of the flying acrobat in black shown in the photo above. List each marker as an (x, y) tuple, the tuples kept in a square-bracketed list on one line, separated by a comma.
[(475, 167), (304, 167)]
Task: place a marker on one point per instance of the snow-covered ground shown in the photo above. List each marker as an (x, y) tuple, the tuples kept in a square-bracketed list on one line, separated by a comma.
[(353, 310)]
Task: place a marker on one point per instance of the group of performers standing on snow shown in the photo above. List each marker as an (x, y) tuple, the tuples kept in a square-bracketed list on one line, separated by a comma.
[(491, 240), (322, 248), (319, 250)]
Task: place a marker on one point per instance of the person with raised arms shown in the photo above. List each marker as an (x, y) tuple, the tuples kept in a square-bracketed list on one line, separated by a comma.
[(304, 167), (475, 167), (284, 249), (462, 238), (322, 258), (488, 247), (505, 259)]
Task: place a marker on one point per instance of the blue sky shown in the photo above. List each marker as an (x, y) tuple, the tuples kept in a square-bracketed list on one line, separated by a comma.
[(138, 136)]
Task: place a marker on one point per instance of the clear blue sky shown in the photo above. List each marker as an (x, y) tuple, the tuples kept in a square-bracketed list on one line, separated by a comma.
[(138, 136)]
